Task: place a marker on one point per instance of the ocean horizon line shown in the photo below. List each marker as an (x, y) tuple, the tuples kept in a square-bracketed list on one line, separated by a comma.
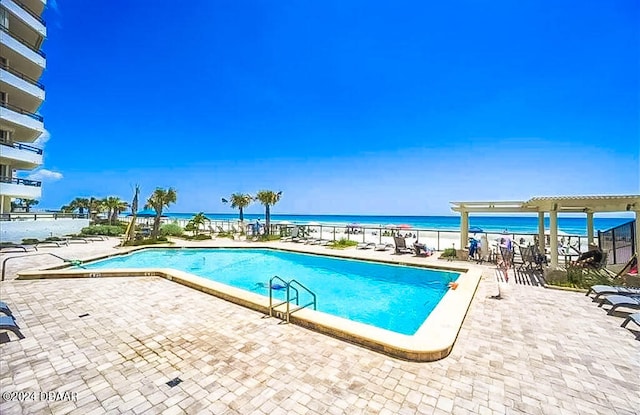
[(490, 224)]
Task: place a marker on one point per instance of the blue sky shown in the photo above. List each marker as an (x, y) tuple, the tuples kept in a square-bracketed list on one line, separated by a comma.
[(358, 107)]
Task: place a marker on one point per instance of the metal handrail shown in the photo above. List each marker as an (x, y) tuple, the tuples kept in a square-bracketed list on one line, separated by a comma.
[(271, 306), (21, 146), (22, 111), (289, 299), (314, 303), (4, 268), (24, 42), (21, 75), (31, 12), (16, 180)]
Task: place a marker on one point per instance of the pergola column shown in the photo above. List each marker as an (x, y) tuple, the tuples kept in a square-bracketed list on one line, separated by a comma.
[(637, 241), (464, 228), (589, 226), (553, 236), (541, 242)]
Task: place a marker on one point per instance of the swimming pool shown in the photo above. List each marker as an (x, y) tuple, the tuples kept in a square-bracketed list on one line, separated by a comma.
[(391, 297), (433, 340)]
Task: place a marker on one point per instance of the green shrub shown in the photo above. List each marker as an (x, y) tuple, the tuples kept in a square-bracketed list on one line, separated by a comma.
[(343, 244), (107, 230), (199, 237), (225, 234), (171, 229), (449, 253), (148, 241), (30, 241)]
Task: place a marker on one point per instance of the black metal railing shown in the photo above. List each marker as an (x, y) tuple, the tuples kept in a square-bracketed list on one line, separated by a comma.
[(25, 182), (21, 75), (21, 146), (22, 111), (619, 242), (31, 12), (24, 42)]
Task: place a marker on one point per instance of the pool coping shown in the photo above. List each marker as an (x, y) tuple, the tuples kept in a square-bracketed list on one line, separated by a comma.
[(434, 339)]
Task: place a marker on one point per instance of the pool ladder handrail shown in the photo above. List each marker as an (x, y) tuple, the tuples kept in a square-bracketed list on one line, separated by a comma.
[(290, 286)]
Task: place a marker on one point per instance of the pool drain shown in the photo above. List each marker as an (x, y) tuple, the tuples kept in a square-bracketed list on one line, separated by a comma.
[(174, 382)]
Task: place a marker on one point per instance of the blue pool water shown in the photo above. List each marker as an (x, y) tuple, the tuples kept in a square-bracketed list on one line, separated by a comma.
[(396, 298)]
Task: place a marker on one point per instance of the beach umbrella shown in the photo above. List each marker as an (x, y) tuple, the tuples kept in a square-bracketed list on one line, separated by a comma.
[(404, 226), (475, 229), (390, 226)]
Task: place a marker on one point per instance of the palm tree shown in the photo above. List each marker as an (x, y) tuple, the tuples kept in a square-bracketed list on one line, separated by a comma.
[(158, 200), (27, 203), (79, 203), (95, 206), (194, 224), (114, 206), (134, 211), (239, 201), (268, 198)]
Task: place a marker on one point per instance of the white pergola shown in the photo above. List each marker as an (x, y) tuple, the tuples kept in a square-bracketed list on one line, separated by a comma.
[(553, 205)]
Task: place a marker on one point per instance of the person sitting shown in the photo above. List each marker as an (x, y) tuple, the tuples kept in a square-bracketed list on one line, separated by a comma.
[(591, 258), (422, 249)]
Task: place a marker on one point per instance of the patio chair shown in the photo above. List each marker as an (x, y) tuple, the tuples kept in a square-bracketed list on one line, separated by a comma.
[(527, 260), (401, 246), (9, 324), (635, 317), (621, 301)]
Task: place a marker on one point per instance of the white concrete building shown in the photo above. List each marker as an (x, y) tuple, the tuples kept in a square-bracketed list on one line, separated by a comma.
[(22, 31)]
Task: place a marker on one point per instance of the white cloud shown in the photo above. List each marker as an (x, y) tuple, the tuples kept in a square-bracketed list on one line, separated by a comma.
[(45, 175), (42, 140)]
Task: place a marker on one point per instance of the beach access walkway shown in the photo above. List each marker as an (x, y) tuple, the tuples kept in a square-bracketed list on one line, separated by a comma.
[(114, 343)]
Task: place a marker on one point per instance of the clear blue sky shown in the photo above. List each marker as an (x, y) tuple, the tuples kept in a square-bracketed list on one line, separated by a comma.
[(356, 107)]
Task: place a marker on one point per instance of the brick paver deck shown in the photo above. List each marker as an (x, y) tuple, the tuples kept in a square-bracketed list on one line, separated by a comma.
[(536, 351)]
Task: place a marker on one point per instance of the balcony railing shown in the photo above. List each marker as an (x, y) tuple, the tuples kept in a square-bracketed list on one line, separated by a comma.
[(21, 111), (24, 182), (24, 42), (21, 146), (21, 75), (31, 12)]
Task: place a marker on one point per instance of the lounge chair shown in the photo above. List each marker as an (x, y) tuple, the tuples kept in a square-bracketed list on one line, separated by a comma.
[(601, 290), (9, 324), (17, 248), (5, 309), (401, 246), (635, 317), (621, 301), (383, 247), (366, 245)]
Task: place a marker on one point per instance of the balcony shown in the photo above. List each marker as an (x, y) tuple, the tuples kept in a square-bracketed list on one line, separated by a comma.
[(17, 84), (27, 126), (27, 16), (21, 47), (20, 156), (20, 188)]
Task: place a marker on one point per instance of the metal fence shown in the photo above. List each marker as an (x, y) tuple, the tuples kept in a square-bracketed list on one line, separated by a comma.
[(618, 242)]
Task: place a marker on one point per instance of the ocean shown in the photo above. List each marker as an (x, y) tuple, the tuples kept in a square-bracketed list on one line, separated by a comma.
[(493, 224)]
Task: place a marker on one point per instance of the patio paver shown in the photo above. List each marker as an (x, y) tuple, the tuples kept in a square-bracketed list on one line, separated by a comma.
[(536, 351)]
